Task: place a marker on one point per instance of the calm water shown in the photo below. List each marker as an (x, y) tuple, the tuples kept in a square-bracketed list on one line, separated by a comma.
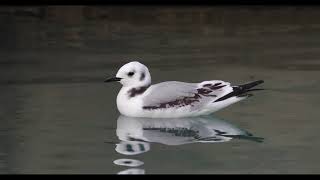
[(57, 115)]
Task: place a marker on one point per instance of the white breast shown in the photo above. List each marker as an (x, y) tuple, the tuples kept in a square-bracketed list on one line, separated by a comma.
[(128, 106)]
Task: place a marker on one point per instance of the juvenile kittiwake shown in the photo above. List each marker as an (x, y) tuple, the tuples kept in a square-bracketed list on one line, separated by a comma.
[(173, 99)]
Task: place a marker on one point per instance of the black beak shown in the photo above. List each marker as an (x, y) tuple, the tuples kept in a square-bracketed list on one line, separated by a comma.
[(112, 79)]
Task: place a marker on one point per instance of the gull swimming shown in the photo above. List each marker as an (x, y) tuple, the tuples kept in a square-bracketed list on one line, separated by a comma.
[(173, 99)]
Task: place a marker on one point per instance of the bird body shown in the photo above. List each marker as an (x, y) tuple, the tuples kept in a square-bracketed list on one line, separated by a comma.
[(173, 99)]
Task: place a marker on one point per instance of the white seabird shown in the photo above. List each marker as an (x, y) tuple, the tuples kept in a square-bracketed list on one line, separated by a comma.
[(173, 99)]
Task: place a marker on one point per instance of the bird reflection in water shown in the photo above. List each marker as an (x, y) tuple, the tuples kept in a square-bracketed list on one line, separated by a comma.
[(136, 134)]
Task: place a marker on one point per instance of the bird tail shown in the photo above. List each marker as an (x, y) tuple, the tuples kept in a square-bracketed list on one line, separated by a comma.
[(242, 90)]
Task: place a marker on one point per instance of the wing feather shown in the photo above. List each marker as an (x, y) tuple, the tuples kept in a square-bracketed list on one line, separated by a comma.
[(173, 91)]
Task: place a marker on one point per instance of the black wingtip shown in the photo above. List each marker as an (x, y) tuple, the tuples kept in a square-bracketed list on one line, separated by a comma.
[(250, 84), (242, 90)]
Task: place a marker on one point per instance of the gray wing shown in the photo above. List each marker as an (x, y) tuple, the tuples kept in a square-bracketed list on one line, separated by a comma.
[(174, 93), (168, 91)]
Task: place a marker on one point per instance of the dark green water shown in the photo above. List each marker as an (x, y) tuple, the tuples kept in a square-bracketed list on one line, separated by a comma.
[(57, 115)]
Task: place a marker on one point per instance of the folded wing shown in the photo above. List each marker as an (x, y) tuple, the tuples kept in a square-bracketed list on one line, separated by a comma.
[(174, 94)]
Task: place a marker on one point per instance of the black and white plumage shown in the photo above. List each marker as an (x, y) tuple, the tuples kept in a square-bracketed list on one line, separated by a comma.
[(171, 99)]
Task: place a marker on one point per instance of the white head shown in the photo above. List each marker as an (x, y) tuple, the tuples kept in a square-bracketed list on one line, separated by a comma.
[(132, 74)]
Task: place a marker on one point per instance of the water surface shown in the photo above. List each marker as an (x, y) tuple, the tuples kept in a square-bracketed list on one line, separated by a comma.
[(57, 115)]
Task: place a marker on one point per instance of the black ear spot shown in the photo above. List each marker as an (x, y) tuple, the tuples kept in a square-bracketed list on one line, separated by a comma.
[(142, 76), (130, 74)]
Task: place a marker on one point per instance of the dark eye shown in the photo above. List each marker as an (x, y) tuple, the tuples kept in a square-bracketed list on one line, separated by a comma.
[(130, 74)]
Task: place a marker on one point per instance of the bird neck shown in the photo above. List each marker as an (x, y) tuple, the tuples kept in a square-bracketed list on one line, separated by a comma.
[(134, 91)]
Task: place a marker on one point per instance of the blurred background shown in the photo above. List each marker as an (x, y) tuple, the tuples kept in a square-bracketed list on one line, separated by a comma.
[(56, 113)]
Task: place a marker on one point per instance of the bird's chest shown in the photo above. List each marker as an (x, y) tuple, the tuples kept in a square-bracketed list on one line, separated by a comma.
[(128, 105)]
